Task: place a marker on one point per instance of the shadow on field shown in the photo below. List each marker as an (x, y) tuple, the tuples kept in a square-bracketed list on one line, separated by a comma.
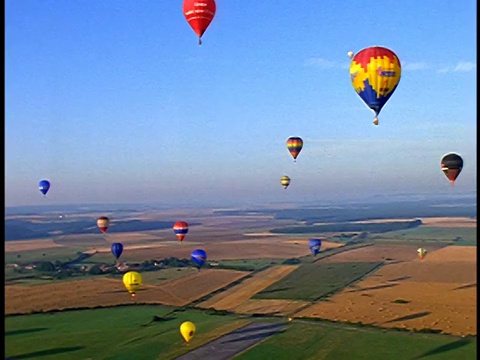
[(468, 286), (400, 278), (410, 317), (374, 287), (166, 317), (444, 348), (275, 290), (53, 351), (24, 331)]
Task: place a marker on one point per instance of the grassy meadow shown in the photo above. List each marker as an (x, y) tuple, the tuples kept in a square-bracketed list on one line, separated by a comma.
[(310, 340), (152, 333), (312, 281)]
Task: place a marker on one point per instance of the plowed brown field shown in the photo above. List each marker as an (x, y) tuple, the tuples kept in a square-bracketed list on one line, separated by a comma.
[(238, 297), (437, 293), (109, 292)]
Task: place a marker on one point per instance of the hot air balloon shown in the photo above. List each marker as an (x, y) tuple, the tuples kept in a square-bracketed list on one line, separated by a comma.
[(117, 249), (375, 74), (103, 222), (199, 257), (181, 229), (187, 329), (294, 145), (452, 165), (314, 245), (199, 14), (132, 281), (44, 186), (421, 253), (350, 54), (285, 181)]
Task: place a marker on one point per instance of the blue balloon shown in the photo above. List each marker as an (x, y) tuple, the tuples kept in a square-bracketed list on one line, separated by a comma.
[(117, 249), (314, 245), (199, 257), (43, 186)]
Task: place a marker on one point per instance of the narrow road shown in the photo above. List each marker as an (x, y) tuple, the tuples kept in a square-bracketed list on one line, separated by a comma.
[(227, 346)]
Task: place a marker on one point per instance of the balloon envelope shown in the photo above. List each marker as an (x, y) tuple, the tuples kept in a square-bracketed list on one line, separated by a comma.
[(103, 222), (421, 253), (285, 181), (181, 229), (314, 245), (199, 14), (187, 330), (199, 257), (294, 146), (132, 281), (117, 249), (452, 165), (44, 186), (375, 74)]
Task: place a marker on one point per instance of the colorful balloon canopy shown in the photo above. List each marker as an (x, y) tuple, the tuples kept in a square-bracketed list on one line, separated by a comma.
[(199, 14), (181, 229), (132, 281), (285, 181), (294, 146), (452, 165), (375, 73), (103, 223), (117, 249), (187, 330), (199, 257), (315, 245), (421, 253), (44, 186)]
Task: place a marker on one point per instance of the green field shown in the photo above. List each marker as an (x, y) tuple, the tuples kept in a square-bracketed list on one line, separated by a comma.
[(118, 333), (436, 234), (145, 332), (248, 265), (312, 281), (318, 341), (52, 254)]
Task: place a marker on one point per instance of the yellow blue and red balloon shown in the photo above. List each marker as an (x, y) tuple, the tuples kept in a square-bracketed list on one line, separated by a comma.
[(375, 73)]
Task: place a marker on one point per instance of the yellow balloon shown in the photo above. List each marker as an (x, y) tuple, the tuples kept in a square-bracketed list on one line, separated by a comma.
[(285, 181), (132, 281), (187, 329)]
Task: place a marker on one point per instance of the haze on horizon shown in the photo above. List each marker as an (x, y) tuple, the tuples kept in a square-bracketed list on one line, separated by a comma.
[(118, 104)]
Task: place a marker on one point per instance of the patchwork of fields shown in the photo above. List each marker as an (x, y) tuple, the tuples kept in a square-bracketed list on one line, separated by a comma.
[(384, 285)]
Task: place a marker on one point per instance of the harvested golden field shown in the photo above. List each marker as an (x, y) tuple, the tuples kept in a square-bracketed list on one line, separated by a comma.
[(376, 253), (109, 292), (449, 222), (193, 287), (413, 295), (239, 294)]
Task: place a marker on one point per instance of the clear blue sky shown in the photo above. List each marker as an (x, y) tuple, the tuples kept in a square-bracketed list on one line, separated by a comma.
[(113, 101)]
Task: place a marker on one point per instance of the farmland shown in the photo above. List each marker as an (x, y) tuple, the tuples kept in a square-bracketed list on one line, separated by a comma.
[(362, 279)]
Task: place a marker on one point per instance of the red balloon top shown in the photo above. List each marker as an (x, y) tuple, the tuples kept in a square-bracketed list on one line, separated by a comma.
[(199, 14)]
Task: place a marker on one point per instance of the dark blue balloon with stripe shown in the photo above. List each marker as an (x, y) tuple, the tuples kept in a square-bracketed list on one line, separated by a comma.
[(315, 245), (44, 186), (117, 249), (199, 257)]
